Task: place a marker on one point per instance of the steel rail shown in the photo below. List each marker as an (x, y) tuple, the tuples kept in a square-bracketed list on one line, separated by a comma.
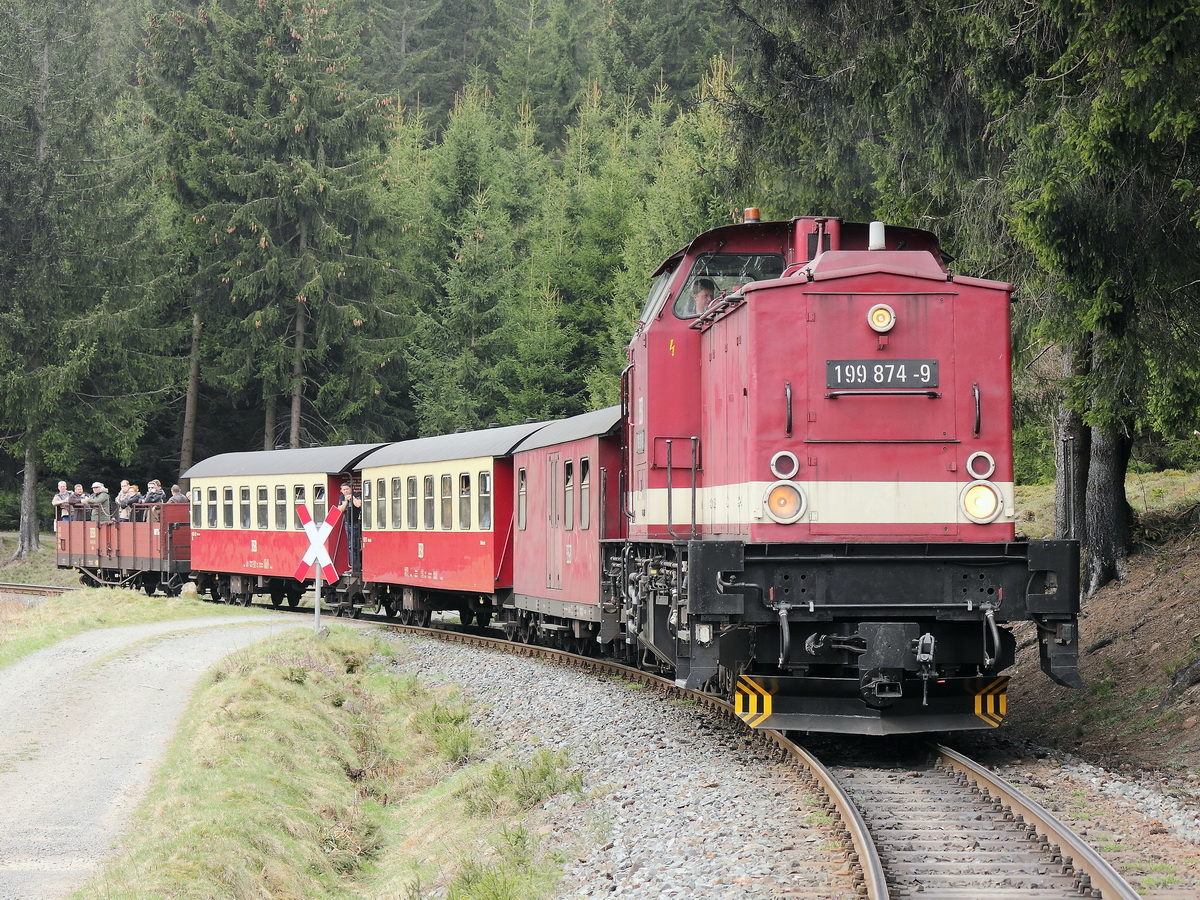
[(35, 590), (1096, 872)]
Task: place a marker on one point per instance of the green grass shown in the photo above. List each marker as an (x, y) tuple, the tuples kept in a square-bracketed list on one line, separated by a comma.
[(308, 768), (1161, 501)]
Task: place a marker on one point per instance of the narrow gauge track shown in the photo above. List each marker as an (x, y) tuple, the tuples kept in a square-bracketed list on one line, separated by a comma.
[(946, 828), (939, 827), (33, 590)]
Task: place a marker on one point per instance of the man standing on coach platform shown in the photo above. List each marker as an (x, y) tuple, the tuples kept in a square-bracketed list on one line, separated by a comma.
[(351, 507)]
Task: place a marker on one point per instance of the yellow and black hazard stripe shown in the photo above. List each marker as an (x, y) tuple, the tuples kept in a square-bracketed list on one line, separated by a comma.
[(991, 701), (751, 702)]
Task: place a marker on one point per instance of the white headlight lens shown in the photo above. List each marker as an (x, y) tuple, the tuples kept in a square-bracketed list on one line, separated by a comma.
[(881, 317), (981, 501), (785, 502)]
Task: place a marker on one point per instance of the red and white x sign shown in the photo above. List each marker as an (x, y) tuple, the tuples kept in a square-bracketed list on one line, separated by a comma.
[(317, 551)]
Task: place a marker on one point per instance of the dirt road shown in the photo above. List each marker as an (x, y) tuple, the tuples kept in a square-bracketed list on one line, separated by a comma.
[(83, 726)]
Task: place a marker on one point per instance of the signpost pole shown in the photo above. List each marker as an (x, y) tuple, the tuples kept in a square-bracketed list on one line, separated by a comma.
[(317, 606)]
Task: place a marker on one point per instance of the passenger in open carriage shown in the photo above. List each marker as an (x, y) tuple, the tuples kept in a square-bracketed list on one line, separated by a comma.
[(126, 500)]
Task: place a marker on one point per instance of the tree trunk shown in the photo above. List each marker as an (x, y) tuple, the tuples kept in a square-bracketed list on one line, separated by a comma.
[(28, 536), (1108, 522), (1072, 451), (298, 374), (188, 446), (269, 423)]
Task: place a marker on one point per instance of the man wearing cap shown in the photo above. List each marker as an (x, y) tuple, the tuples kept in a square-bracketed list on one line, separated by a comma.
[(101, 501)]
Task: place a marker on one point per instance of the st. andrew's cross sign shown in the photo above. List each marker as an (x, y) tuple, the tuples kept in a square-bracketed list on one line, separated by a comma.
[(317, 551)]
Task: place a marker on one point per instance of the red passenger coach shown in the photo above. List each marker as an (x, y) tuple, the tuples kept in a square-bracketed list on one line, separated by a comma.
[(568, 502), (437, 523), (246, 536)]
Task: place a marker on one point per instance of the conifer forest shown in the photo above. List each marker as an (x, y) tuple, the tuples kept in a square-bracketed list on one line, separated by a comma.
[(242, 224)]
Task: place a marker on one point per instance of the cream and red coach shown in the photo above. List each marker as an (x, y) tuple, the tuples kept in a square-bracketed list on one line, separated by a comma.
[(820, 473), (438, 523), (247, 538)]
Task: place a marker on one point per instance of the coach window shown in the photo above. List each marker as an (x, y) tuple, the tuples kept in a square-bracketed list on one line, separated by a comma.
[(366, 503), (485, 501), (464, 501), (212, 507), (227, 506), (522, 498), (244, 506), (427, 491), (264, 507), (198, 509), (397, 502), (585, 493), (318, 496), (297, 502), (412, 502), (281, 507), (447, 501), (568, 494), (381, 503)]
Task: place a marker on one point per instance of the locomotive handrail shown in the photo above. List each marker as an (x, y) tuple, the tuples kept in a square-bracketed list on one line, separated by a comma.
[(883, 392)]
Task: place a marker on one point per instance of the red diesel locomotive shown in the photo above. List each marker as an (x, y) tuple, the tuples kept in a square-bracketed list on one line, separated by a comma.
[(804, 501)]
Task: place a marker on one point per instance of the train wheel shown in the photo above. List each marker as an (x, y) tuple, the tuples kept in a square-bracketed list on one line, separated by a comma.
[(389, 609), (483, 617), (293, 595), (149, 585), (466, 615), (276, 594), (246, 599), (423, 617)]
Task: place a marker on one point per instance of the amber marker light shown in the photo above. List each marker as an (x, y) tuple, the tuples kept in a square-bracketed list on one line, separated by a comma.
[(981, 502), (785, 502), (881, 317)]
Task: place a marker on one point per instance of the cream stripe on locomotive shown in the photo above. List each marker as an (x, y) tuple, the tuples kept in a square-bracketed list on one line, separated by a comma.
[(829, 502)]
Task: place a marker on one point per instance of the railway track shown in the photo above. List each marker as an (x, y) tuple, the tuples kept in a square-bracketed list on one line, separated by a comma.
[(33, 590), (944, 828)]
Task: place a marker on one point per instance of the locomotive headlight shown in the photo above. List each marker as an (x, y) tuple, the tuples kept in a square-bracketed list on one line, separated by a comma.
[(785, 502), (981, 501), (881, 317)]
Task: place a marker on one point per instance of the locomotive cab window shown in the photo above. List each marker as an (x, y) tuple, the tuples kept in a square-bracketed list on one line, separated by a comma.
[(281, 507), (244, 506), (397, 502), (212, 507), (522, 498), (297, 502), (366, 504), (585, 493), (485, 501), (716, 273), (657, 295), (227, 506), (264, 507), (464, 501), (427, 501)]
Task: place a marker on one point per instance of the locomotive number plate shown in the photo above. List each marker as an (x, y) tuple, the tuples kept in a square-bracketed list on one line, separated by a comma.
[(848, 374)]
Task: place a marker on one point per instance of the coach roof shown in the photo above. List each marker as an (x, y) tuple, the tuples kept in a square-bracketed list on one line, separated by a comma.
[(300, 461), (465, 445), (576, 428)]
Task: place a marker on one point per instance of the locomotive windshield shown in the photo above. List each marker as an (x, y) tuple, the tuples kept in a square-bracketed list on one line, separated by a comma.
[(714, 274), (654, 299)]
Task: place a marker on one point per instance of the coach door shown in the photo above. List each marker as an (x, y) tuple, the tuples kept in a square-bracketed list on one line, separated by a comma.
[(554, 522)]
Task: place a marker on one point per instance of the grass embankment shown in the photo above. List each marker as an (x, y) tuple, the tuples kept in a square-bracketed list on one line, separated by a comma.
[(308, 768), (1158, 499)]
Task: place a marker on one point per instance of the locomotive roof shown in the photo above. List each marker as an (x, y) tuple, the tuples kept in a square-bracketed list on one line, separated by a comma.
[(296, 461), (465, 445), (600, 422)]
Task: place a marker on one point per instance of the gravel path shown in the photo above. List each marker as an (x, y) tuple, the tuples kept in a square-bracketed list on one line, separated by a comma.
[(677, 803), (83, 725)]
